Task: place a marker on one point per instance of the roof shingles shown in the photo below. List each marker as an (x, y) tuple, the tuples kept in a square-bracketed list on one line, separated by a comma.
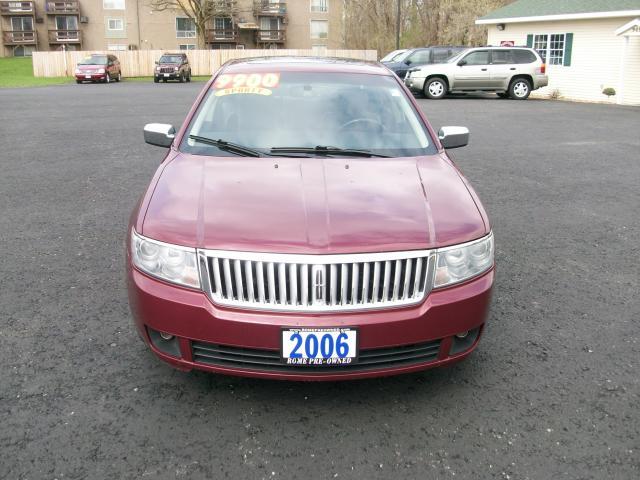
[(535, 8)]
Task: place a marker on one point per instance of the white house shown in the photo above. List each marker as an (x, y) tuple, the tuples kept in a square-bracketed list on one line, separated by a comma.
[(588, 45)]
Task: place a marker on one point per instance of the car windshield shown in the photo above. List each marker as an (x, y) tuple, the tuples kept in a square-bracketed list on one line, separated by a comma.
[(263, 111), (171, 59), (390, 57), (94, 60), (401, 57)]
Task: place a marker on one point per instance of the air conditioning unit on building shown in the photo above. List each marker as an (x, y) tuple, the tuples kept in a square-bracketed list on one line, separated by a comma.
[(240, 47), (39, 20), (132, 47), (84, 19)]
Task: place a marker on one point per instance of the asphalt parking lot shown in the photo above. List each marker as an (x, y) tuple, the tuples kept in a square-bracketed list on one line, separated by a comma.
[(552, 392)]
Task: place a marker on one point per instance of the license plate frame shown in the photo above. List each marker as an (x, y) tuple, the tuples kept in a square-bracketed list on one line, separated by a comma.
[(319, 361), (167, 75), (87, 76)]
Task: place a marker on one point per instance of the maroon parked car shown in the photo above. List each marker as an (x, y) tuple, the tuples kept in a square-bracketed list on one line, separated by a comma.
[(98, 68), (308, 224)]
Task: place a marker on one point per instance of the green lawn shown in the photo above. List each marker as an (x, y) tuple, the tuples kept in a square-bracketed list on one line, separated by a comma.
[(18, 72)]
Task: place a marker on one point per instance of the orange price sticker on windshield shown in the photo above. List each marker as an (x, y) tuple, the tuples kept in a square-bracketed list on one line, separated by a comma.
[(250, 80)]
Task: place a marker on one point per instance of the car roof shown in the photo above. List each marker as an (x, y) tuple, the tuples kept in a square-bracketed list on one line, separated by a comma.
[(305, 64)]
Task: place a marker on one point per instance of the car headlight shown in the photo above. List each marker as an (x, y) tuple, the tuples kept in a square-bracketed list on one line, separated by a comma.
[(101, 70), (172, 263), (461, 262), (77, 71), (176, 68)]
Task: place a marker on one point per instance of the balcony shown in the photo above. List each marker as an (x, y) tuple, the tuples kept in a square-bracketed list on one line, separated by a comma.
[(68, 7), (17, 8), (264, 8), (270, 36), (19, 37), (222, 35), (64, 36)]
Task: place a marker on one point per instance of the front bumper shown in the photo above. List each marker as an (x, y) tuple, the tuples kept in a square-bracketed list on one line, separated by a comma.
[(228, 341), (168, 76), (85, 77), (415, 84)]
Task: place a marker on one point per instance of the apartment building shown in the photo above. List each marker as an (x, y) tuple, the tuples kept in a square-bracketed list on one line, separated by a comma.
[(41, 25)]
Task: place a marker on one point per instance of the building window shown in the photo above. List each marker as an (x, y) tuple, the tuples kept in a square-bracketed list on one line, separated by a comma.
[(319, 5), (22, 24), (117, 48), (319, 29), (23, 51), (185, 27), (113, 4), (187, 46), (550, 47), (115, 24)]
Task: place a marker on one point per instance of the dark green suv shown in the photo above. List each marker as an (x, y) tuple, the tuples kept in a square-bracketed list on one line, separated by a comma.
[(172, 66)]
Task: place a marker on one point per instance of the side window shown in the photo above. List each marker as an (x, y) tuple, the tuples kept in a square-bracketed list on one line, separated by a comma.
[(421, 56), (523, 56), (441, 54), (479, 57), (501, 57)]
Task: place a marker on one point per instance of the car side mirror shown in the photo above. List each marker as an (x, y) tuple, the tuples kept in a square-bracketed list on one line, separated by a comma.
[(462, 63), (453, 137), (407, 62), (157, 62), (159, 134)]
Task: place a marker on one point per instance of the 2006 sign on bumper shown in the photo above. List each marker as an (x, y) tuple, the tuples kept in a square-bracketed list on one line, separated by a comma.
[(319, 346)]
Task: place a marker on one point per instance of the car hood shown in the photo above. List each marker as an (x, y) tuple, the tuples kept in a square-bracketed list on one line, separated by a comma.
[(311, 205)]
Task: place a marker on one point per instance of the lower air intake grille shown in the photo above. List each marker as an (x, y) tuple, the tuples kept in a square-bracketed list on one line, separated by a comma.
[(269, 360)]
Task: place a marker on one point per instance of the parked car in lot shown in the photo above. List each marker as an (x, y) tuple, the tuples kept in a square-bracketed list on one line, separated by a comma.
[(267, 247), (172, 66), (509, 71), (98, 68), (414, 57)]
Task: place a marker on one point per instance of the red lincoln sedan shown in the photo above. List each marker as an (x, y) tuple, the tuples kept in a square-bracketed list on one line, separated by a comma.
[(308, 224)]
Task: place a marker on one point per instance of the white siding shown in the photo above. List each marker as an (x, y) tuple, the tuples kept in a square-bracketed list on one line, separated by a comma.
[(595, 61)]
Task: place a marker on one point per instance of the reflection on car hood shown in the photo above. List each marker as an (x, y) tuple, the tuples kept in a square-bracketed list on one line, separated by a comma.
[(395, 65), (311, 205)]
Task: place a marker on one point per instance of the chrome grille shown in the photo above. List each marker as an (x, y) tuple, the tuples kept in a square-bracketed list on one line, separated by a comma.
[(316, 282)]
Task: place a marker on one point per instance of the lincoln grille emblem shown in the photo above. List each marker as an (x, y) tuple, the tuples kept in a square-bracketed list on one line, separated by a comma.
[(318, 284)]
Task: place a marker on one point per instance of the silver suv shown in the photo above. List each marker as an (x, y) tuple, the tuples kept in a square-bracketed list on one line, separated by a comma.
[(509, 71)]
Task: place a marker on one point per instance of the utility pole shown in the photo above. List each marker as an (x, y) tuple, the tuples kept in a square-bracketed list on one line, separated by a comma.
[(398, 26)]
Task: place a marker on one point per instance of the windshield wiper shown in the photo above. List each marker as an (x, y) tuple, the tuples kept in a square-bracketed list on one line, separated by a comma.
[(228, 146), (327, 150)]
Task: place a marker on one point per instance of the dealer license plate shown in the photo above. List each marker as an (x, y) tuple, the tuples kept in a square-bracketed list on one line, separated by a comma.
[(167, 74), (319, 346)]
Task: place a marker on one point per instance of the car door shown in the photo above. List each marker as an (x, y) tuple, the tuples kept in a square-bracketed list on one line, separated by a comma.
[(472, 71), (111, 66), (502, 68), (420, 56)]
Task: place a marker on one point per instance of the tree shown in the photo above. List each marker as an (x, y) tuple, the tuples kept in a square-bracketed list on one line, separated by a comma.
[(371, 24), (200, 11)]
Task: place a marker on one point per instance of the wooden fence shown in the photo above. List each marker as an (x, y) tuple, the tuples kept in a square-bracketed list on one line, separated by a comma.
[(140, 63)]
